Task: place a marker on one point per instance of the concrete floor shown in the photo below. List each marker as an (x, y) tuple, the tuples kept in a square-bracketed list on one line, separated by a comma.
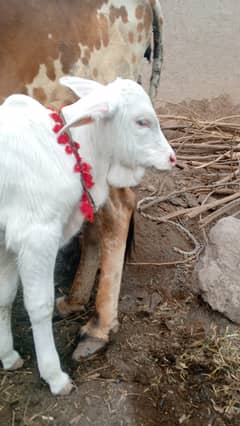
[(202, 49)]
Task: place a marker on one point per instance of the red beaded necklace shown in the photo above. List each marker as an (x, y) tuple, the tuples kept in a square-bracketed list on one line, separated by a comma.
[(87, 206)]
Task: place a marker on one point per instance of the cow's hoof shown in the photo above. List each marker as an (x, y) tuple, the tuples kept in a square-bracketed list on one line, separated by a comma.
[(65, 308), (17, 364), (88, 346)]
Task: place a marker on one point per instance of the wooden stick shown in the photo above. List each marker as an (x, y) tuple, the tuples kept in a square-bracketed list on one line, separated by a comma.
[(196, 157), (197, 210), (204, 146), (159, 199), (228, 177), (212, 162), (175, 262), (206, 221), (192, 212)]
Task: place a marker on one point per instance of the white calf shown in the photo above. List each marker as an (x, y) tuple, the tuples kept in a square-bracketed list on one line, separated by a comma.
[(40, 193)]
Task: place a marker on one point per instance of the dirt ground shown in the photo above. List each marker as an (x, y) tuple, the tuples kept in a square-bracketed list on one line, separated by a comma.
[(161, 367)]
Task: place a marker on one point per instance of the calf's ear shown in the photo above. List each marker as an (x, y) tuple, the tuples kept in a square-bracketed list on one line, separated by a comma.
[(80, 86), (82, 114)]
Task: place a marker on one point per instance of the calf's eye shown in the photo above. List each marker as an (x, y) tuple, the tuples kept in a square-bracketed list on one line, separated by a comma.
[(143, 123)]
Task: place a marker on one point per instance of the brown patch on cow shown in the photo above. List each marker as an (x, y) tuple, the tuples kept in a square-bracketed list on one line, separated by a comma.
[(85, 61), (24, 90), (68, 23), (39, 94), (69, 54), (103, 22), (139, 12), (95, 72), (134, 59), (120, 199), (148, 19), (131, 37), (104, 303), (98, 44), (68, 101), (51, 73), (116, 13), (116, 216), (82, 122), (140, 27), (87, 54), (126, 196)]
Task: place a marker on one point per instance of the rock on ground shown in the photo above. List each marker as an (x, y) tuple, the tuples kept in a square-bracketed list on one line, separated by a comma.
[(218, 269)]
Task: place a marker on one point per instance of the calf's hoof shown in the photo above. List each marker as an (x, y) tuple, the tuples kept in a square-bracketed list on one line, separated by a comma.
[(88, 346), (12, 361), (68, 388), (17, 364), (65, 308), (62, 385)]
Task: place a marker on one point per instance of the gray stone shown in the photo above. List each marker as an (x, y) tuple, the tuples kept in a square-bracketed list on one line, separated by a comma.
[(218, 269)]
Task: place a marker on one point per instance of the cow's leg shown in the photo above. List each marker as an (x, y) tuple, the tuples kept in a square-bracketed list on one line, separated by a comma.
[(11, 360), (84, 278), (36, 266), (114, 226)]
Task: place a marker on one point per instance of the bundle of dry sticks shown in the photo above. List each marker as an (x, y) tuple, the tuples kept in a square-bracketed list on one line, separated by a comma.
[(210, 145)]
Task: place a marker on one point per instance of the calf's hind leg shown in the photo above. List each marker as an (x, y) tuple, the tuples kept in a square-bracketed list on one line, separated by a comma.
[(36, 266), (10, 358)]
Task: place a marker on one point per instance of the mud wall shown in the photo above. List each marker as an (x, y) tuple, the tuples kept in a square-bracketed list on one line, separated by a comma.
[(202, 49)]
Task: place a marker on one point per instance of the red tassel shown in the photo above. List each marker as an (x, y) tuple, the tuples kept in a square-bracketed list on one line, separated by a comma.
[(56, 117), (68, 149), (86, 208), (77, 168), (88, 180), (63, 138), (78, 158), (57, 127), (77, 145), (84, 168)]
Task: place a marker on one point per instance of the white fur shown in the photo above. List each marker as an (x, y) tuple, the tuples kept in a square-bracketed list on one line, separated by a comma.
[(40, 193)]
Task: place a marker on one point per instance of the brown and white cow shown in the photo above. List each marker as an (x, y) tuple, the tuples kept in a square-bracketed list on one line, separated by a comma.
[(99, 39)]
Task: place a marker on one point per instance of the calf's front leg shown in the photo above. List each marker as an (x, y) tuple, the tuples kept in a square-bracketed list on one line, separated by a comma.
[(36, 266)]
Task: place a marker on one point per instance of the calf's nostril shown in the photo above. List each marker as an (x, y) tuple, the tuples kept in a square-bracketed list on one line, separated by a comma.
[(173, 159)]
